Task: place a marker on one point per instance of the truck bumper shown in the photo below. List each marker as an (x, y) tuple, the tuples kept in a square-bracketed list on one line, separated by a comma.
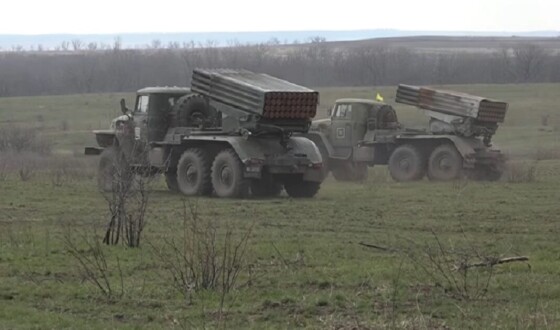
[(92, 151)]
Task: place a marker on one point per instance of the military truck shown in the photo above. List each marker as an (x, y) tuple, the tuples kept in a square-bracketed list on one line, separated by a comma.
[(362, 133), (230, 135)]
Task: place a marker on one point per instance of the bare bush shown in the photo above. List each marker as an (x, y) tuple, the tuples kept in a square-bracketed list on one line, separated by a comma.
[(64, 170), (59, 169), (462, 271), (204, 257), (448, 268), (21, 139), (59, 177), (64, 125), (3, 169), (94, 264), (26, 172), (521, 172), (547, 154), (127, 202)]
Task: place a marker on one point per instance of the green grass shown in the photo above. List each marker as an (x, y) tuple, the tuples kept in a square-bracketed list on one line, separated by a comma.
[(307, 268), (335, 281)]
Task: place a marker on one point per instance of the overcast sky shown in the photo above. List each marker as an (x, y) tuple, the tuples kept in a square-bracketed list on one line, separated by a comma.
[(124, 16)]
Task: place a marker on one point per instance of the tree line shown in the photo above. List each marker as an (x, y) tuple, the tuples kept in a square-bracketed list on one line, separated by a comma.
[(80, 68)]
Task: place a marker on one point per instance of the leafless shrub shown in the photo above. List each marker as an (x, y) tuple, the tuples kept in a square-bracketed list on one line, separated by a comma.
[(3, 169), (204, 258), (94, 264), (447, 268), (64, 125), (460, 185), (65, 169), (60, 169), (521, 172), (127, 202), (462, 271), (547, 154), (21, 139), (58, 177), (26, 172)]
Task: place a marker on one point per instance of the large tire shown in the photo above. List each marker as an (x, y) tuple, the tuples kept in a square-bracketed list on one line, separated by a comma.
[(227, 175), (193, 173), (265, 187), (445, 163), (407, 164), (113, 172), (298, 188), (194, 111), (350, 171)]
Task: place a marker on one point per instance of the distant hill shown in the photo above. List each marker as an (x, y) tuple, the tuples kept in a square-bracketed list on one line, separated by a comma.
[(449, 44), (141, 40)]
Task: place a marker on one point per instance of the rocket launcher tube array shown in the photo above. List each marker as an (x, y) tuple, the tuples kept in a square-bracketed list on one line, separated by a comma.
[(268, 96), (452, 103)]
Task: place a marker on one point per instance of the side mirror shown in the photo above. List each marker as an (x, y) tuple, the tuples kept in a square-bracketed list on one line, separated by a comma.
[(329, 112), (124, 109)]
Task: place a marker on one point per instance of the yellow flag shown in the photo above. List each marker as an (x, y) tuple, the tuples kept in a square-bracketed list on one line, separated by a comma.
[(379, 98)]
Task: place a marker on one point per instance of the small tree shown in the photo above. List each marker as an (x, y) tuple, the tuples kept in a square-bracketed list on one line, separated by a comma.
[(127, 201)]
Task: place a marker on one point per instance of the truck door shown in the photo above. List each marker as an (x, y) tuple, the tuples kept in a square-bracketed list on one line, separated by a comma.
[(139, 150), (341, 125)]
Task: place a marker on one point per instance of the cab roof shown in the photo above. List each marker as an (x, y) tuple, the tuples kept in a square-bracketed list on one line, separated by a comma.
[(164, 90), (365, 101)]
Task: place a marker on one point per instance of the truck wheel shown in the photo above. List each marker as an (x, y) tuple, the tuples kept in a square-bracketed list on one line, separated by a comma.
[(351, 171), (194, 111), (297, 188), (171, 181), (445, 163), (193, 173), (407, 164), (265, 188), (113, 172), (227, 175)]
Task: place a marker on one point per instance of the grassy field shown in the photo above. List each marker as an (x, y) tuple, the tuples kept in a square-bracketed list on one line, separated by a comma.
[(304, 265)]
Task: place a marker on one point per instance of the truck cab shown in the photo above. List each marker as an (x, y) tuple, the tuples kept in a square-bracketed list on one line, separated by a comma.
[(352, 118), (339, 136), (153, 113)]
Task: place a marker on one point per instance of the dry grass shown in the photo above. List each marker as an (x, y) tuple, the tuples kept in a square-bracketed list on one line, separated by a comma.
[(521, 172), (547, 154)]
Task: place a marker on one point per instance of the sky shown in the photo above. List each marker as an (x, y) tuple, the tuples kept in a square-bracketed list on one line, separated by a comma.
[(124, 16)]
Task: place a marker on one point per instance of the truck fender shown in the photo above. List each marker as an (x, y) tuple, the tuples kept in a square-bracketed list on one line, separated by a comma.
[(466, 147), (245, 149), (301, 145), (248, 149), (105, 138), (322, 142)]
